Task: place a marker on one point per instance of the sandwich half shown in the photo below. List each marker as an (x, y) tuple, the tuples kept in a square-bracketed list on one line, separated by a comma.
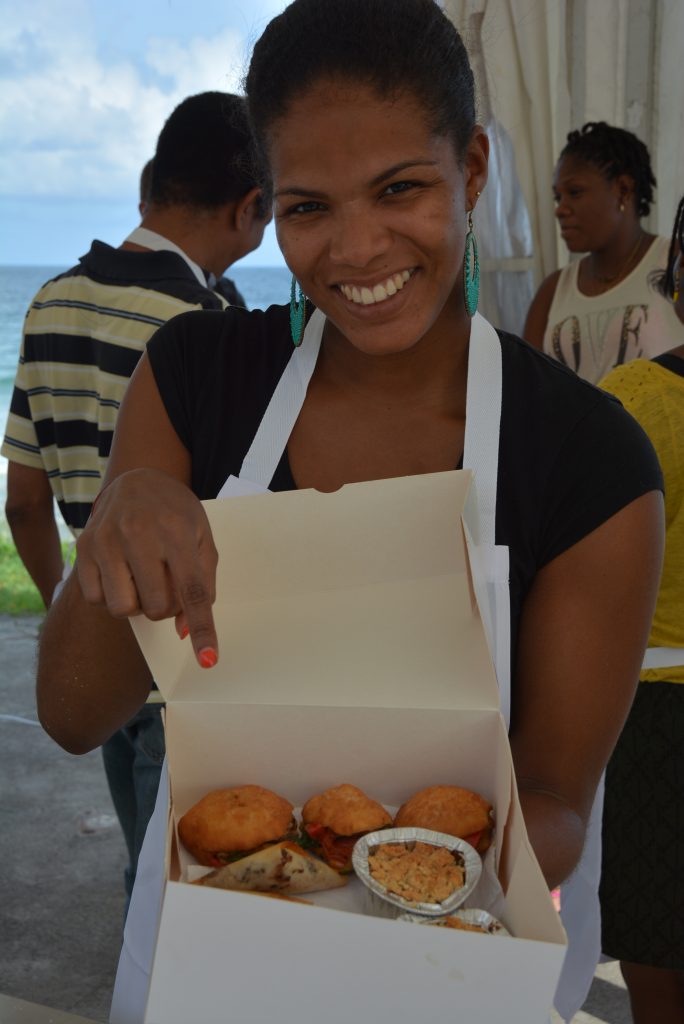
[(334, 820)]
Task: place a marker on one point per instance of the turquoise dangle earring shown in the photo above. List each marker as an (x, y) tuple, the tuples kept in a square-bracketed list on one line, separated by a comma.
[(471, 269), (297, 312)]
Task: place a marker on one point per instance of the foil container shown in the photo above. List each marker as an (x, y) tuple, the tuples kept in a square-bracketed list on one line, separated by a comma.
[(383, 903), (481, 918)]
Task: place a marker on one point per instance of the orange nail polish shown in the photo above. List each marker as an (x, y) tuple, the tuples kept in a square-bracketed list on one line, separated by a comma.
[(184, 632), (207, 657)]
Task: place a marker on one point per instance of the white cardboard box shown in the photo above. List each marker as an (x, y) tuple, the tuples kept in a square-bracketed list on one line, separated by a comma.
[(351, 650)]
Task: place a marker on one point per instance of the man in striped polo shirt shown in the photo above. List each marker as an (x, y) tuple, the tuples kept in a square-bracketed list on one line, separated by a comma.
[(82, 338)]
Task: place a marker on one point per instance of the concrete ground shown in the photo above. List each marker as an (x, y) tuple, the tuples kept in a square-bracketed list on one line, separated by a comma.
[(62, 857), (62, 854)]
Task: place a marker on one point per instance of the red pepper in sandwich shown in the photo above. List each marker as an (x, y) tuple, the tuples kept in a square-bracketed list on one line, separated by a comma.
[(335, 819)]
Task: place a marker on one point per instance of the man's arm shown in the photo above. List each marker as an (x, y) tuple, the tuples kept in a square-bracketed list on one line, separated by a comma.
[(147, 548), (30, 514)]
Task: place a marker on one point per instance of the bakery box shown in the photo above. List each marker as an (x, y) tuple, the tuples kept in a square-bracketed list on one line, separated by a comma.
[(352, 649)]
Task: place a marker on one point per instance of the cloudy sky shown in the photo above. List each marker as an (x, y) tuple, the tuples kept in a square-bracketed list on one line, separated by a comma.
[(85, 86)]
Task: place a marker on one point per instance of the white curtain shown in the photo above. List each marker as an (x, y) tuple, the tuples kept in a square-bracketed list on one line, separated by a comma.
[(667, 145), (518, 55)]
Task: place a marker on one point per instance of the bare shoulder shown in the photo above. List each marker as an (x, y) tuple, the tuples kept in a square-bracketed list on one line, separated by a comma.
[(538, 313)]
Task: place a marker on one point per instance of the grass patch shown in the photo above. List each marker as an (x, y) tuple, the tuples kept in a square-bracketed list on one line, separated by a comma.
[(18, 594)]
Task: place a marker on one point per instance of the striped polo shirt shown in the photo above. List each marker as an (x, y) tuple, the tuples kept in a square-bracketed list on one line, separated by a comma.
[(83, 335)]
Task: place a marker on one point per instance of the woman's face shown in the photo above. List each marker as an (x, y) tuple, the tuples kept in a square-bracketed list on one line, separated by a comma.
[(588, 204), (370, 211)]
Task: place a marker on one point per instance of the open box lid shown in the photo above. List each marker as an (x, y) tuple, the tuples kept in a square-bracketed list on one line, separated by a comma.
[(359, 598)]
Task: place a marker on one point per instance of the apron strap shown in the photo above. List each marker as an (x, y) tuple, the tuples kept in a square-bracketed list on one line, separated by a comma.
[(270, 440), (663, 657), (157, 243), (483, 421), (481, 455)]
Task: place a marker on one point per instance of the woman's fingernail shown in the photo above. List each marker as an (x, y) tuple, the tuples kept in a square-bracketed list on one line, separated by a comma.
[(184, 632), (207, 657)]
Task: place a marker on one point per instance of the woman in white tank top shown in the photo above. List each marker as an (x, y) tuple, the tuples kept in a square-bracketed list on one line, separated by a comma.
[(600, 311)]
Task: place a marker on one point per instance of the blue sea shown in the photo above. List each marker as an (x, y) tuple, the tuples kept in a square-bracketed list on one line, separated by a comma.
[(260, 286)]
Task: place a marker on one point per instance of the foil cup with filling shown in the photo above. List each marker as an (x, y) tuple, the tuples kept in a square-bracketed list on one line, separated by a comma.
[(481, 919), (381, 902)]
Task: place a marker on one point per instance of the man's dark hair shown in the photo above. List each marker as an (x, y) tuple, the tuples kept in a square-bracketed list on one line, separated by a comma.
[(615, 151), (398, 47), (205, 155)]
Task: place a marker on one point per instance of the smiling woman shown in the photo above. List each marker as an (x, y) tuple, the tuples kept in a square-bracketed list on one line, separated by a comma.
[(376, 164), (375, 239)]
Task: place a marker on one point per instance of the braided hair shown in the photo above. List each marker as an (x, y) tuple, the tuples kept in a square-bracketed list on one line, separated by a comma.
[(615, 151), (663, 280)]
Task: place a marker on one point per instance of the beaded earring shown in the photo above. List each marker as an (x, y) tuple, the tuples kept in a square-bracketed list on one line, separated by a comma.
[(471, 270), (297, 312)]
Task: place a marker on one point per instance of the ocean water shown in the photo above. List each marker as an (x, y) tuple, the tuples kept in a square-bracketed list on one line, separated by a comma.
[(260, 286)]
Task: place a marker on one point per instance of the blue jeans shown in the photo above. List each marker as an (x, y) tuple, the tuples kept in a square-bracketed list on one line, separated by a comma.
[(133, 759)]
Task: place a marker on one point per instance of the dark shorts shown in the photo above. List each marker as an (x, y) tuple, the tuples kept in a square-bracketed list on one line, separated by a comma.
[(642, 882)]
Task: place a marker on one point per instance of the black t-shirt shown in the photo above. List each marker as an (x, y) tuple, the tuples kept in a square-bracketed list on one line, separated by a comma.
[(570, 456)]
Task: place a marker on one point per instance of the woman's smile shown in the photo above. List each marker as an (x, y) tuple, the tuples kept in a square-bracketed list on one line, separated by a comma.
[(373, 294)]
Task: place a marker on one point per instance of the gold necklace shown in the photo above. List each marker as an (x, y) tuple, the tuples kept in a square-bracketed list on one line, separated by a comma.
[(625, 265)]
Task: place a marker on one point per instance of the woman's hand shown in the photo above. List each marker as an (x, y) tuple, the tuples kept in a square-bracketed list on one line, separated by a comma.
[(148, 549)]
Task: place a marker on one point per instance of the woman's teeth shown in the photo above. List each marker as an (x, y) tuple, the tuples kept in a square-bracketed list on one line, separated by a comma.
[(369, 296)]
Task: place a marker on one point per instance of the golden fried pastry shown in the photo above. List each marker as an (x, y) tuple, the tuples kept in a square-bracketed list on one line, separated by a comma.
[(228, 823), (450, 809), (335, 819)]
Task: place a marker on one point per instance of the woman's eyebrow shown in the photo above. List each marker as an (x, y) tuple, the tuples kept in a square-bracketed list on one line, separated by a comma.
[(397, 168), (295, 190)]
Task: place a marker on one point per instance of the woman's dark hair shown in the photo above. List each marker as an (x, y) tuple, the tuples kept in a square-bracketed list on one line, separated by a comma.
[(205, 154), (615, 151), (663, 280), (394, 46)]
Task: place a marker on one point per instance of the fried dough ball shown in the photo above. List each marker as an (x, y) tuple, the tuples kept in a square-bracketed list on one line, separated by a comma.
[(346, 810), (231, 820)]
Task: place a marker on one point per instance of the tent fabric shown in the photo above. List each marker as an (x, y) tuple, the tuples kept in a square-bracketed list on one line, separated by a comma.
[(518, 55)]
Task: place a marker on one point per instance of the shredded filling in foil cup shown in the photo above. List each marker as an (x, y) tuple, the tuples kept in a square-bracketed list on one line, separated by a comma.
[(415, 870)]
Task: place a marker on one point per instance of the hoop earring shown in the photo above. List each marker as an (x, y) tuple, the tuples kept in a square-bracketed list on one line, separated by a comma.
[(471, 270), (297, 312)]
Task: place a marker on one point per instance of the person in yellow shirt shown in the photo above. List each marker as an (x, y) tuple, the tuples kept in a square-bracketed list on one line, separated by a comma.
[(642, 884)]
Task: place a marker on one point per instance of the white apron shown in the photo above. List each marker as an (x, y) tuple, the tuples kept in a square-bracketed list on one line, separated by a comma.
[(481, 454)]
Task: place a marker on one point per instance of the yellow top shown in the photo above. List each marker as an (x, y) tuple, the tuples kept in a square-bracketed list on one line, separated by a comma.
[(654, 395)]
